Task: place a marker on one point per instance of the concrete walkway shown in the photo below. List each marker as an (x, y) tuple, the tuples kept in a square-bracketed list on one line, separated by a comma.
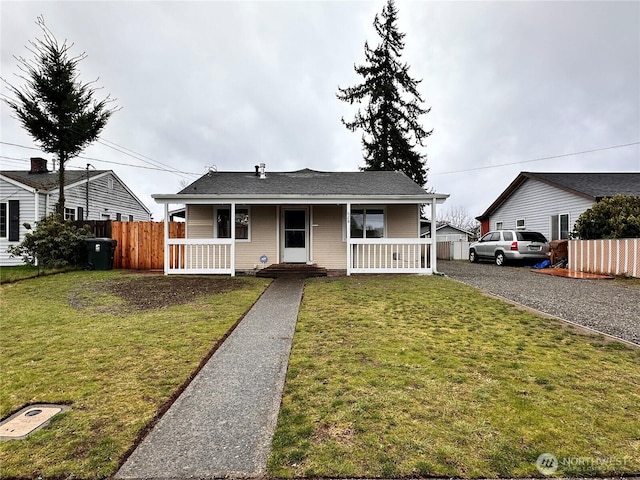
[(223, 423)]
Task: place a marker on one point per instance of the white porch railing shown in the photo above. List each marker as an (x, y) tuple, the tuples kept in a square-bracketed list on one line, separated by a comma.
[(390, 255), (197, 256)]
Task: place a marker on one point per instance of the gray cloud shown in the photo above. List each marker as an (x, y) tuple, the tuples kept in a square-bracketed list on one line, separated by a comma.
[(233, 84)]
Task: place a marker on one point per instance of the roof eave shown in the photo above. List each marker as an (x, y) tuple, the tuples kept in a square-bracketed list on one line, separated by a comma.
[(297, 199)]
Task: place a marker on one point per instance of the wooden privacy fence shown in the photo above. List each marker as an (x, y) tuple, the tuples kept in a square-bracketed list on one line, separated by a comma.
[(453, 250), (99, 228), (613, 257), (141, 244)]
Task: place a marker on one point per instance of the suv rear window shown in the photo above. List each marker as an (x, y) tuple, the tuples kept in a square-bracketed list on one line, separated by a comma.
[(531, 237), (508, 236)]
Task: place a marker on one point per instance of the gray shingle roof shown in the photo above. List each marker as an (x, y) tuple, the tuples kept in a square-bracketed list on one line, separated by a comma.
[(593, 186), (305, 182), (49, 180), (596, 185)]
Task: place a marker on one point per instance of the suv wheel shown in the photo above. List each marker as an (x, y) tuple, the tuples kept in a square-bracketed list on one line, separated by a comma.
[(500, 259), (473, 257)]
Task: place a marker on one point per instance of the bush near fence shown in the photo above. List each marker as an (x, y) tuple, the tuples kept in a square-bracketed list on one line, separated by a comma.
[(611, 256)]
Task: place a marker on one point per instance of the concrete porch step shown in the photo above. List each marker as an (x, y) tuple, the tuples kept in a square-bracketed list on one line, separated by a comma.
[(292, 270)]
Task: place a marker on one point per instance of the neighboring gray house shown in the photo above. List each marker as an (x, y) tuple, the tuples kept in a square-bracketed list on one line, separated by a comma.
[(27, 196), (445, 232), (550, 203)]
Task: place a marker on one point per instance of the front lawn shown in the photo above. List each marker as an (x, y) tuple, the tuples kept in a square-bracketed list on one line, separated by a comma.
[(115, 347), (22, 272), (418, 376)]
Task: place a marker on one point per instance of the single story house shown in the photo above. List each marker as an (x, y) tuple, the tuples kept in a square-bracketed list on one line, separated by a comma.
[(445, 232), (550, 203), (357, 222), (27, 196)]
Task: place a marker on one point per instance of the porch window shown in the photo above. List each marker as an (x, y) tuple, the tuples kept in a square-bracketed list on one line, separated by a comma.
[(367, 223), (560, 227), (241, 224)]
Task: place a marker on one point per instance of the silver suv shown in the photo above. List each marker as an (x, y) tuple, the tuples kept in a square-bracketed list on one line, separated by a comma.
[(510, 245)]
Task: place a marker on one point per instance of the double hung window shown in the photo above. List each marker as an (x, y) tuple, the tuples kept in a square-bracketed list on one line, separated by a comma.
[(367, 223)]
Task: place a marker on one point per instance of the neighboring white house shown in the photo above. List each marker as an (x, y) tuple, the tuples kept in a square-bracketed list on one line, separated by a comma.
[(550, 203), (445, 232), (27, 196)]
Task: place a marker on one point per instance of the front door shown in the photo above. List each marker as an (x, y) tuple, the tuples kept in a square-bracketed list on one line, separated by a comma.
[(294, 235)]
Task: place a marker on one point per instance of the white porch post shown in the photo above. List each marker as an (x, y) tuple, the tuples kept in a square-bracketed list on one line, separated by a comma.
[(434, 241), (278, 246), (348, 222), (311, 225), (166, 238), (232, 222)]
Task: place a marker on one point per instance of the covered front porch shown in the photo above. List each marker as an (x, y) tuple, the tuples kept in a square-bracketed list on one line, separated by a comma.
[(355, 238)]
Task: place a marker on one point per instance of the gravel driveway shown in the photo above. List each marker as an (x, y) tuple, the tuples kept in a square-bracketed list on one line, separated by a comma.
[(604, 305)]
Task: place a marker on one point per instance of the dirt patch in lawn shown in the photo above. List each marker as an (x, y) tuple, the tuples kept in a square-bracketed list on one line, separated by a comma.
[(159, 291), (138, 292)]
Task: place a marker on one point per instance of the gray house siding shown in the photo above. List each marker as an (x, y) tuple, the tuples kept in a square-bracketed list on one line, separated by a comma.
[(107, 197), (26, 199), (535, 203)]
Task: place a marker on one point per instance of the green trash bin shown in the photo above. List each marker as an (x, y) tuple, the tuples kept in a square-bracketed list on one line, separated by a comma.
[(101, 252)]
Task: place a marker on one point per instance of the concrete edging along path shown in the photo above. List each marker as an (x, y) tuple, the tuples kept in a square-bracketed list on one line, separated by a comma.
[(223, 423)]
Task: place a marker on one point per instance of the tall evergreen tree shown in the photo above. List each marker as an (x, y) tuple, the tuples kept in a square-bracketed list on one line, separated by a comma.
[(392, 105), (57, 110)]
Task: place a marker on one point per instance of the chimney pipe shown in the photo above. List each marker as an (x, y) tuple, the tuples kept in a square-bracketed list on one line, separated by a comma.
[(262, 172), (257, 171), (38, 165)]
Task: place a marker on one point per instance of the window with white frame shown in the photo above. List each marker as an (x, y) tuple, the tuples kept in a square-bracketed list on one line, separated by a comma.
[(367, 223), (4, 220), (520, 224), (241, 223), (498, 225), (69, 213), (560, 227)]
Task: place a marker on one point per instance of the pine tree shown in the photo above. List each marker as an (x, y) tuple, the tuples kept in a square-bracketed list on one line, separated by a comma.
[(56, 109), (392, 105)]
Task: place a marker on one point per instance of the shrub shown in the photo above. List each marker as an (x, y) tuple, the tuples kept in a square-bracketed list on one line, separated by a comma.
[(54, 243), (612, 217)]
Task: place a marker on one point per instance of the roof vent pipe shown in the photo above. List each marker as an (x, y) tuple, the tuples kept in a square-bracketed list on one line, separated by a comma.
[(262, 172), (257, 171)]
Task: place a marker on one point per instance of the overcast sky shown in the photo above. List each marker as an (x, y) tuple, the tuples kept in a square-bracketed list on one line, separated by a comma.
[(233, 84)]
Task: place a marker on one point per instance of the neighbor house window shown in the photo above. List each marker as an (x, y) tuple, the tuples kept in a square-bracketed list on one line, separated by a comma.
[(241, 223), (109, 183), (367, 223), (131, 218), (560, 227), (520, 224), (69, 213), (498, 225), (3, 220)]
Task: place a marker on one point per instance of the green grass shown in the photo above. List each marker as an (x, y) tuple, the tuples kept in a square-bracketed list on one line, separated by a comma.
[(417, 376), (22, 272), (67, 339)]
